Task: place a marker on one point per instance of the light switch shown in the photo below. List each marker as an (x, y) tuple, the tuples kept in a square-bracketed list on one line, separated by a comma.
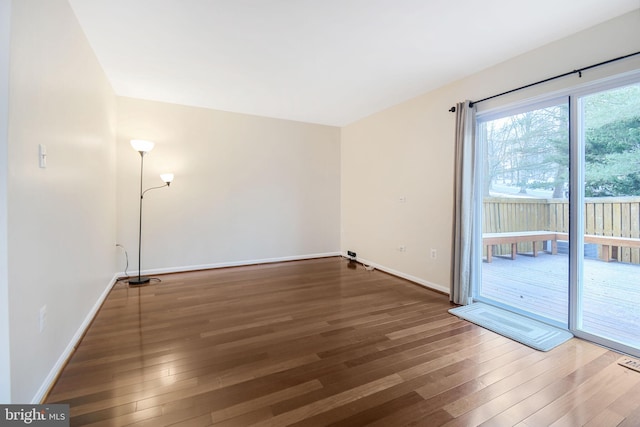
[(43, 155)]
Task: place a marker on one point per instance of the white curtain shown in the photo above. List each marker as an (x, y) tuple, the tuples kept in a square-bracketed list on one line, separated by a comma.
[(462, 271)]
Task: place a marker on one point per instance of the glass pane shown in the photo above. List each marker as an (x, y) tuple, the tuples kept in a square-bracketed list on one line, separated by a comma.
[(525, 212), (610, 293)]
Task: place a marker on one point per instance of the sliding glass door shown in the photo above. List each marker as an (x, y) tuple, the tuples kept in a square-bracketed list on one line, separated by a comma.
[(560, 208), (525, 210), (608, 296)]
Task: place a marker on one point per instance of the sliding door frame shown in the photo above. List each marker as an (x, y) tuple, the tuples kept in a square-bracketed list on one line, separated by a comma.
[(576, 205), (508, 110), (576, 130)]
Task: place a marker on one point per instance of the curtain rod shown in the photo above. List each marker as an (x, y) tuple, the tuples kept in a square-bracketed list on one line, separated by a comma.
[(578, 72)]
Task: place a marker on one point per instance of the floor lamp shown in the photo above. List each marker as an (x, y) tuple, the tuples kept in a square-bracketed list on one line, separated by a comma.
[(143, 147)]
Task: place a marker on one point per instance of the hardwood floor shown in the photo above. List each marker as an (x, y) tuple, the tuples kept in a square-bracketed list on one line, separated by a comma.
[(314, 343)]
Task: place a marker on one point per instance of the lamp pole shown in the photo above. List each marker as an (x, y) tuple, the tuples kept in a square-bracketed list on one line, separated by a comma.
[(143, 147), (140, 280)]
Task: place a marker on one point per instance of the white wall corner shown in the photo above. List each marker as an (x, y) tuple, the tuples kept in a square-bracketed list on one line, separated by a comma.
[(5, 360), (56, 370)]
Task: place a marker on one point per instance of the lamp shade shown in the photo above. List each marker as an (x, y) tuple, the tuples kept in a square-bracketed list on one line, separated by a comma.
[(142, 145), (167, 177)]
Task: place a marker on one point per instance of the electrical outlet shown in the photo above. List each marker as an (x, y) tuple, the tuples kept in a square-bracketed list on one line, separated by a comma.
[(402, 248), (434, 253), (42, 318)]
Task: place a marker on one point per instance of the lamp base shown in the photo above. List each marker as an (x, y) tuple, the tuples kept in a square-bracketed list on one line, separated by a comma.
[(140, 280)]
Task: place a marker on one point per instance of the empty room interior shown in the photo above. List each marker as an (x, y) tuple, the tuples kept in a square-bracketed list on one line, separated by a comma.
[(342, 175)]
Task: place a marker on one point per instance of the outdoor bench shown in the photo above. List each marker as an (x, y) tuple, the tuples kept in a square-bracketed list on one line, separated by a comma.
[(514, 237), (607, 243)]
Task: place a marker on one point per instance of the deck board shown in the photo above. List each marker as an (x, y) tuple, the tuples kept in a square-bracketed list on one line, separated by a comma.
[(540, 285)]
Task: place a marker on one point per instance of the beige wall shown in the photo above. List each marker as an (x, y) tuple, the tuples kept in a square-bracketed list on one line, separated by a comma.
[(407, 152), (61, 220), (247, 189), (5, 363)]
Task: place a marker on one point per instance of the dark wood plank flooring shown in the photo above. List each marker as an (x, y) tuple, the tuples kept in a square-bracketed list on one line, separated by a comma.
[(313, 343)]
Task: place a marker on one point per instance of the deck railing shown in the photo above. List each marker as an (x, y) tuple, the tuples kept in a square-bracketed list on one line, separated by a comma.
[(603, 216)]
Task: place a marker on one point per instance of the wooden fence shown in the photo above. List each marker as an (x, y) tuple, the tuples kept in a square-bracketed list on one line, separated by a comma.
[(603, 216)]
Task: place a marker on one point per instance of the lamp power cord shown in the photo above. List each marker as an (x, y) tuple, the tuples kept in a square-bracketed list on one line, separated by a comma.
[(126, 274), (126, 267), (366, 267)]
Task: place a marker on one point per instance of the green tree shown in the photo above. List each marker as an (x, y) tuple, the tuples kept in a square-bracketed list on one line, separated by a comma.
[(531, 149), (612, 142), (612, 157)]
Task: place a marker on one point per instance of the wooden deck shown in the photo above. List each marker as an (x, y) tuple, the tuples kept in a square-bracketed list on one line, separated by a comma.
[(617, 217), (611, 292)]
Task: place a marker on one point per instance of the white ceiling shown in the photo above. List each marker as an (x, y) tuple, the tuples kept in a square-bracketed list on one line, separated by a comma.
[(321, 61)]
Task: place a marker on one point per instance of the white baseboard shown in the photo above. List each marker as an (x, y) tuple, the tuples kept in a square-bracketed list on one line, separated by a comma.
[(230, 264), (417, 280), (57, 368)]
